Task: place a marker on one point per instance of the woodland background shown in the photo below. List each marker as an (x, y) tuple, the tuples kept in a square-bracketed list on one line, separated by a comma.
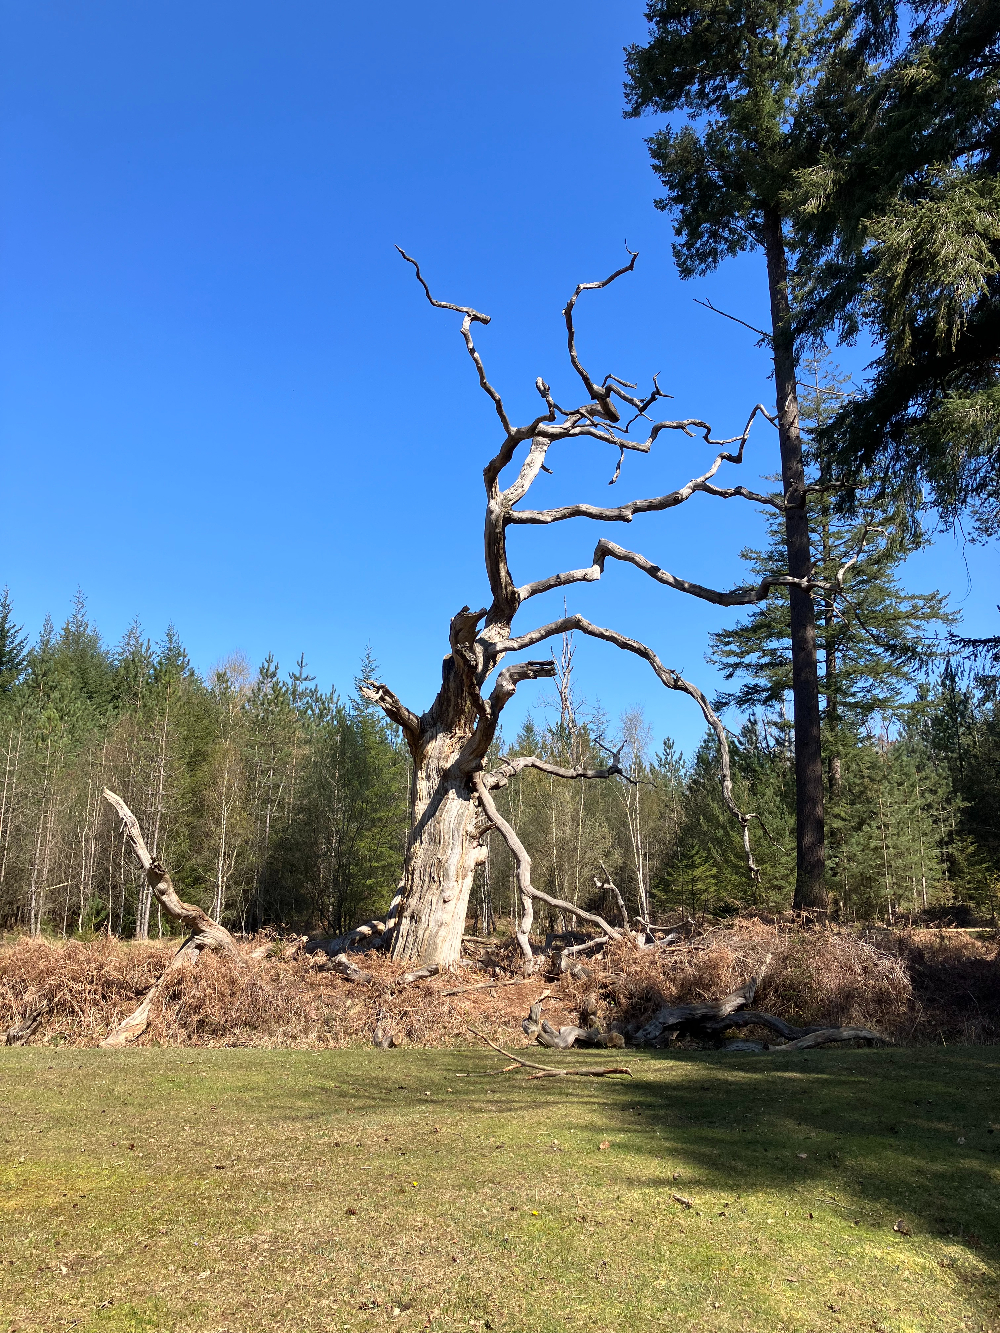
[(278, 805)]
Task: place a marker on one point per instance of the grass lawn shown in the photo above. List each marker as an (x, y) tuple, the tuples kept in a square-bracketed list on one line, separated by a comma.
[(179, 1189)]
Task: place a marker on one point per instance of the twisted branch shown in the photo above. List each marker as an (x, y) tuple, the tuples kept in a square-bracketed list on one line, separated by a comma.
[(672, 680), (527, 890)]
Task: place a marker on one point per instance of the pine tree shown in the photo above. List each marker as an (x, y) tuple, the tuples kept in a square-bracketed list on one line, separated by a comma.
[(898, 223), (742, 72), (13, 645), (873, 636)]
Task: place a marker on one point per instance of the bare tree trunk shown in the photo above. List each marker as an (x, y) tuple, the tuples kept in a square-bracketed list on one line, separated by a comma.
[(145, 892), (36, 889), (445, 844), (810, 878), (9, 806)]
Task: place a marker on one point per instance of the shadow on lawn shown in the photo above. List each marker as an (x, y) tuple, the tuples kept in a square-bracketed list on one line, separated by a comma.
[(896, 1134)]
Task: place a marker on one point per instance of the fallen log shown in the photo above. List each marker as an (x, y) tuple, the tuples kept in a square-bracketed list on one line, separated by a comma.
[(206, 934), (29, 1022), (826, 1036), (695, 1015), (749, 1018), (572, 950)]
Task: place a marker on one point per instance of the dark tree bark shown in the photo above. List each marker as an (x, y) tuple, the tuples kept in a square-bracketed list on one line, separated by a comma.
[(810, 846)]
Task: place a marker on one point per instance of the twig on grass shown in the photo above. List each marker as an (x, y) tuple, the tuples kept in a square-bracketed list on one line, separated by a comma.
[(548, 1071)]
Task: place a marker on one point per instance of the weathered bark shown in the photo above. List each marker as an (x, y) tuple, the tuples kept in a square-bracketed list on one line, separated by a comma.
[(441, 859), (810, 877), (206, 934), (29, 1022), (452, 810), (672, 1016)]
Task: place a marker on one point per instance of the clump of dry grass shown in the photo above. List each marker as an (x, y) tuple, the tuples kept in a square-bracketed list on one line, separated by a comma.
[(956, 984), (909, 985), (268, 1002), (828, 977), (913, 986)]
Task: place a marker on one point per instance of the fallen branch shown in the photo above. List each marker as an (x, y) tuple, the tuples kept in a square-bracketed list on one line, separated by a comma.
[(408, 978), (572, 950), (346, 968), (751, 1018), (570, 1035), (686, 1015), (206, 934), (825, 1036), (339, 943), (547, 1071)]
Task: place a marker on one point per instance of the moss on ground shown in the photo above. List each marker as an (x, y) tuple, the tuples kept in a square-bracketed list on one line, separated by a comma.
[(228, 1191)]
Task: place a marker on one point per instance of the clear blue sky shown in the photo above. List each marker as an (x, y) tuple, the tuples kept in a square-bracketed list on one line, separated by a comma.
[(225, 402)]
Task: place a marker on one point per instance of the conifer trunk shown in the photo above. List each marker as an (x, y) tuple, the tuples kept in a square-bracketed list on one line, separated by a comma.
[(810, 876)]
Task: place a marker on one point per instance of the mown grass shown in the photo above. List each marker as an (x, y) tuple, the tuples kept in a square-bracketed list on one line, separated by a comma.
[(179, 1189)]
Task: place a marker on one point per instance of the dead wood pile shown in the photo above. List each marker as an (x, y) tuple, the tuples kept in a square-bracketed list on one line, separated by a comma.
[(911, 986)]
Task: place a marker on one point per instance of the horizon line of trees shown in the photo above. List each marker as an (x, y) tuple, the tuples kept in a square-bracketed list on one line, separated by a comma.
[(277, 805)]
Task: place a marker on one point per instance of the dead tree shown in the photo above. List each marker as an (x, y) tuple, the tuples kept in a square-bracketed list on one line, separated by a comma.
[(205, 934), (452, 803)]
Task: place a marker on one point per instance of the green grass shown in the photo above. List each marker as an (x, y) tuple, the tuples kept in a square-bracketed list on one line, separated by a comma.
[(290, 1190)]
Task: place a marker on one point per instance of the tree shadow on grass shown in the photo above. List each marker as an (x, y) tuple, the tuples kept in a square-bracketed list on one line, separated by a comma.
[(901, 1135)]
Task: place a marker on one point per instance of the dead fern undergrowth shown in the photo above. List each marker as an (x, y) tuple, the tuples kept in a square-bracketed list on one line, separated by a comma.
[(914, 986)]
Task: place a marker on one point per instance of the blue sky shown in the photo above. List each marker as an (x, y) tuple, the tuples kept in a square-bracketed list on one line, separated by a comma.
[(224, 401)]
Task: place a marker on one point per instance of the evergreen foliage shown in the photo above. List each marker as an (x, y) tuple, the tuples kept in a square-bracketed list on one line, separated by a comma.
[(279, 805), (272, 802), (898, 229)]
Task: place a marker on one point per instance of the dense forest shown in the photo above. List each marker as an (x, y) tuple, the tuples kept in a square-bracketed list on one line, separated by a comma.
[(278, 805)]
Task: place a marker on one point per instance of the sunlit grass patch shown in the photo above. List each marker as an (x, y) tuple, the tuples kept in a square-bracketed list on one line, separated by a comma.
[(294, 1190)]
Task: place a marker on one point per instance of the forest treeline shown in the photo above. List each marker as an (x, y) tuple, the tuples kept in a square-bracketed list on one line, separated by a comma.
[(278, 805)]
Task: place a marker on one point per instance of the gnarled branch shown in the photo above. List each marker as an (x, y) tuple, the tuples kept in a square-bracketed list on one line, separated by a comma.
[(672, 680), (383, 697), (205, 933), (527, 890), (502, 774), (471, 316)]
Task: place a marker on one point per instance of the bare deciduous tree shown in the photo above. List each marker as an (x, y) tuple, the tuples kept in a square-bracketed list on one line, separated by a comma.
[(452, 807)]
